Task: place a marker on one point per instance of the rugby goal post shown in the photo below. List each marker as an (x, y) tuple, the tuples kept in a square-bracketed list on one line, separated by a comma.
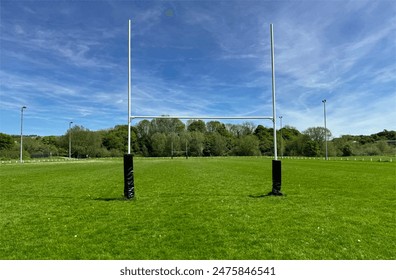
[(129, 186)]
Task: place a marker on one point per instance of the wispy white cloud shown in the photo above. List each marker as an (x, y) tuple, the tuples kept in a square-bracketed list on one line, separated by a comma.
[(202, 58), (68, 46)]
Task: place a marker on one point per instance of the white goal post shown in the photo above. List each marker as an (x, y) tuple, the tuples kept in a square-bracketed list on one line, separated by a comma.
[(273, 118), (128, 158)]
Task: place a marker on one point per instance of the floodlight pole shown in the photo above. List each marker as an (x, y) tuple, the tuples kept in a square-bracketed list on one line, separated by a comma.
[(21, 151), (281, 136), (276, 164), (70, 123), (325, 124)]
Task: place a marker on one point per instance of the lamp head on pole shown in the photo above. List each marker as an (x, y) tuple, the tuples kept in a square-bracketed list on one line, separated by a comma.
[(324, 100)]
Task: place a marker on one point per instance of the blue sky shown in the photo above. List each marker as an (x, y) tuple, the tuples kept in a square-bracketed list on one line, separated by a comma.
[(67, 61)]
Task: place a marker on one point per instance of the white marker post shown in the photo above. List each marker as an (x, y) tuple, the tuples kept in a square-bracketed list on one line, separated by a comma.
[(21, 148)]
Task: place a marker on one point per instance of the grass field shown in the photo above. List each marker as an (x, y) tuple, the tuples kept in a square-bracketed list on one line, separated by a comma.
[(200, 208)]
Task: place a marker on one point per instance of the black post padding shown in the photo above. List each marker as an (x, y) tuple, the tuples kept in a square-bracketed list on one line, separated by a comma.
[(276, 177), (129, 184)]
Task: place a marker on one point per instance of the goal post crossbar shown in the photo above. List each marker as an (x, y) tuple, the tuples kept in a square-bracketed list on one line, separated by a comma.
[(204, 117), (129, 185)]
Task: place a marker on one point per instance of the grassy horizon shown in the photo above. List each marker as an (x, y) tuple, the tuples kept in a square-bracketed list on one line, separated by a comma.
[(200, 208)]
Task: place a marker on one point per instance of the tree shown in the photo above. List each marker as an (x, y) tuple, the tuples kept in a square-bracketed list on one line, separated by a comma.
[(167, 125), (311, 148), (247, 145), (38, 146), (347, 150), (50, 140), (266, 139), (289, 132), (387, 135), (116, 139), (196, 145), (215, 145), (318, 135), (235, 130), (143, 130), (173, 144), (297, 147), (248, 128), (216, 126), (196, 125), (6, 142), (8, 147), (85, 143), (383, 147), (158, 142)]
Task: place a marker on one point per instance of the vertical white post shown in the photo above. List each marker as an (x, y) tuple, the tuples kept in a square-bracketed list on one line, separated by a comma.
[(281, 137), (70, 123), (21, 151), (325, 124), (273, 90), (129, 86)]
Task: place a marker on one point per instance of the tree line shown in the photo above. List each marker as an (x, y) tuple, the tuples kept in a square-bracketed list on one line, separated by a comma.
[(171, 137)]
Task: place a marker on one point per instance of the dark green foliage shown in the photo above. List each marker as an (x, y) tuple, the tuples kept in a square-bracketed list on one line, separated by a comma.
[(85, 143), (266, 139), (171, 137), (166, 126), (217, 127), (9, 148), (289, 133), (158, 144), (347, 150), (386, 135), (197, 143), (247, 145), (6, 142), (196, 125), (311, 148), (116, 138), (215, 145)]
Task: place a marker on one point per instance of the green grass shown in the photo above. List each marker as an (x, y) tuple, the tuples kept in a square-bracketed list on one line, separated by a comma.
[(200, 208)]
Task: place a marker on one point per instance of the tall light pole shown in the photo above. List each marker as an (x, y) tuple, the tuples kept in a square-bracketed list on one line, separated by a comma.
[(21, 159), (70, 123), (281, 137), (325, 124)]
